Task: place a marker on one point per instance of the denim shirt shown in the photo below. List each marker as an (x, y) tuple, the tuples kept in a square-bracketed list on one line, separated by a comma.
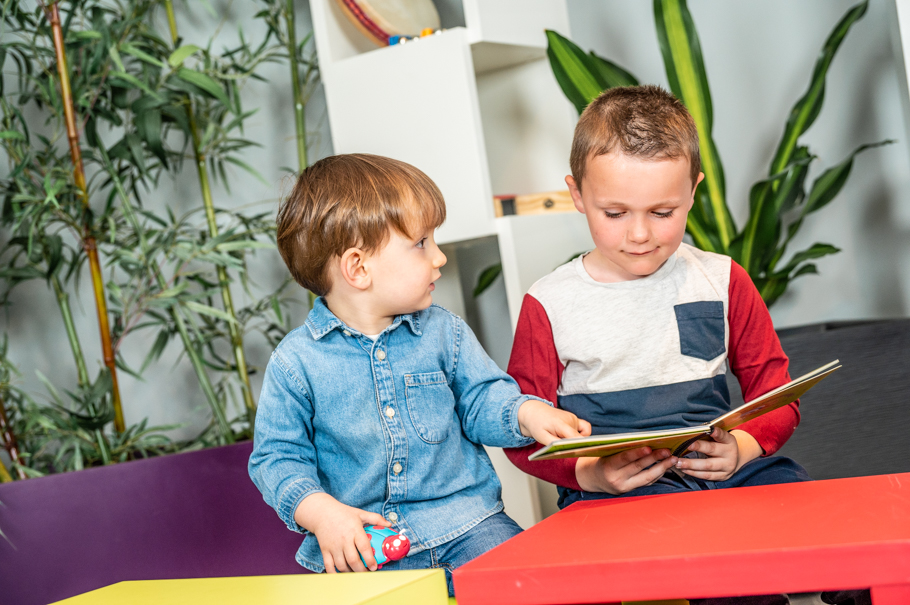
[(393, 426)]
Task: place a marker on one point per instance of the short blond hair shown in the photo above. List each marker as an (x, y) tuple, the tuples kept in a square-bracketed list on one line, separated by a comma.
[(639, 121), (347, 201)]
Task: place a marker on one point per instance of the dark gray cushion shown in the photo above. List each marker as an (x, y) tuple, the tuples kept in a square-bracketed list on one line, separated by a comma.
[(857, 421)]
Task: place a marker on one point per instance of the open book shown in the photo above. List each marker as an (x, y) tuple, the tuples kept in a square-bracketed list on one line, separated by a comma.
[(679, 440)]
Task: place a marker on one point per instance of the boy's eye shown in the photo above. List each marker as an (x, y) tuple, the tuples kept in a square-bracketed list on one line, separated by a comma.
[(422, 243), (612, 214), (666, 214)]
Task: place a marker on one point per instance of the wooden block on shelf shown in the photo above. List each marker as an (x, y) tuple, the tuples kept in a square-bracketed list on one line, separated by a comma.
[(533, 203)]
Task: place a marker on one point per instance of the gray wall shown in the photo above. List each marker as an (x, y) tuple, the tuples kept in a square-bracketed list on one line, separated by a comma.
[(759, 56)]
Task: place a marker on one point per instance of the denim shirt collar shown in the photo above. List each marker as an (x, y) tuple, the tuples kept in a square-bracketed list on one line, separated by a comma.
[(321, 321)]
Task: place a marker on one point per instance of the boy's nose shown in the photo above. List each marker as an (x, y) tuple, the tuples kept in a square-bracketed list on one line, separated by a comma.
[(440, 259), (639, 232)]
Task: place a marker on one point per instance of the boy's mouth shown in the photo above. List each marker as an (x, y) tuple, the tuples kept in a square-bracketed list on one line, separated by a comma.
[(641, 253)]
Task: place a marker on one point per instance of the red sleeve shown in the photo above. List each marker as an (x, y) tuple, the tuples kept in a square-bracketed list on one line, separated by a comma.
[(535, 365), (758, 361)]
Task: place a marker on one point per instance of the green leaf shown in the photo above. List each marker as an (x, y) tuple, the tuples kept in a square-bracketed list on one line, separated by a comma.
[(809, 105), (828, 185), (813, 252), (115, 57), (757, 243), (53, 251), (12, 134), (573, 69), (134, 82), (148, 127), (207, 310), (136, 153), (610, 73), (130, 49), (204, 83), (685, 69), (486, 278), (181, 54), (86, 34), (244, 245), (248, 168), (157, 348)]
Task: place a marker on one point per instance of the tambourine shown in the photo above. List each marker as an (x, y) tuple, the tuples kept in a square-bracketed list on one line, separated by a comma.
[(378, 20)]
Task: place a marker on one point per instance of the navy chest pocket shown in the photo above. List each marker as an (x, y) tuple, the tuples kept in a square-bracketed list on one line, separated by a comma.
[(701, 329), (431, 405)]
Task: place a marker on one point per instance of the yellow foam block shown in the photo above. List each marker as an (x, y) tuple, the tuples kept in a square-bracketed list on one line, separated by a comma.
[(418, 587)]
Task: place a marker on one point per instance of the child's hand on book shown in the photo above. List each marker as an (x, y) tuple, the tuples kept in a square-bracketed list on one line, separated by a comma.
[(726, 453), (545, 423), (623, 472), (339, 530)]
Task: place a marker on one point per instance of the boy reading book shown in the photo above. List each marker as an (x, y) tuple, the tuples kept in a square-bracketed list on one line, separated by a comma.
[(638, 333), (374, 411)]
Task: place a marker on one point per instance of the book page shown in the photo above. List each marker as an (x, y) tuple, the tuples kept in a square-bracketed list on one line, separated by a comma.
[(625, 441)]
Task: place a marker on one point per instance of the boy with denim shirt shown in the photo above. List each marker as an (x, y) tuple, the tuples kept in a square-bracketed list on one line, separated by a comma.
[(374, 411), (638, 333)]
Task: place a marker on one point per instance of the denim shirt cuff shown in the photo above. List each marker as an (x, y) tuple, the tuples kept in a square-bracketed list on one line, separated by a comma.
[(291, 498), (510, 420)]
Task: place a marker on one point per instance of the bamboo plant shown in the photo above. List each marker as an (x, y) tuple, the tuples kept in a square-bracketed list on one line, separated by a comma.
[(89, 243), (176, 59), (779, 203), (280, 18), (158, 263)]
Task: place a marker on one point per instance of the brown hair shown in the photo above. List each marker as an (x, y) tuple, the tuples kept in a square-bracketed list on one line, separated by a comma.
[(347, 201), (643, 121)]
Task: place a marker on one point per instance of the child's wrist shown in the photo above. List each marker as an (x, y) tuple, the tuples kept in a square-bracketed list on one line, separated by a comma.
[(749, 448)]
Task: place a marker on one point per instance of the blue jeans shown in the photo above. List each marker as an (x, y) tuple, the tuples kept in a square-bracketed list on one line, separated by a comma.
[(761, 471), (487, 534)]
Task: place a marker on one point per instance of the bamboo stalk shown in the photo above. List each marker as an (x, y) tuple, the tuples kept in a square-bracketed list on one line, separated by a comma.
[(299, 105), (9, 443), (195, 359), (88, 240), (72, 336), (223, 279)]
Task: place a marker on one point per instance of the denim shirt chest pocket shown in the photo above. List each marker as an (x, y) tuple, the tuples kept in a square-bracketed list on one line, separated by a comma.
[(701, 329), (431, 405)]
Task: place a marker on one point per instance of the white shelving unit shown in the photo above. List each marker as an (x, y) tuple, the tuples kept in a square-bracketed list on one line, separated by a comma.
[(477, 109)]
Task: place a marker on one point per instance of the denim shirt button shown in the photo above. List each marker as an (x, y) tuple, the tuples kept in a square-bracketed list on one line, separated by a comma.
[(393, 517), (396, 468), (380, 354), (346, 333), (389, 412)]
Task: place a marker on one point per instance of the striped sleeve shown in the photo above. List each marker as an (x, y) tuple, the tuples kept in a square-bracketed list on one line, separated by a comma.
[(535, 365), (758, 361)]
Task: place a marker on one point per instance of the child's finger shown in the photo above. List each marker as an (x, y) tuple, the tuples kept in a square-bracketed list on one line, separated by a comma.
[(329, 561), (368, 518), (340, 559), (584, 427), (352, 556), (650, 474), (721, 436), (362, 543), (641, 457)]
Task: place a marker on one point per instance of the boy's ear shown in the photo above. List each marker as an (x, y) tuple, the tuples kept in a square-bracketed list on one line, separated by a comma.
[(701, 177), (353, 270), (575, 192)]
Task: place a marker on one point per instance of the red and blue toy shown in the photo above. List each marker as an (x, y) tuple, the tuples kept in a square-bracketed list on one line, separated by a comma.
[(387, 544)]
